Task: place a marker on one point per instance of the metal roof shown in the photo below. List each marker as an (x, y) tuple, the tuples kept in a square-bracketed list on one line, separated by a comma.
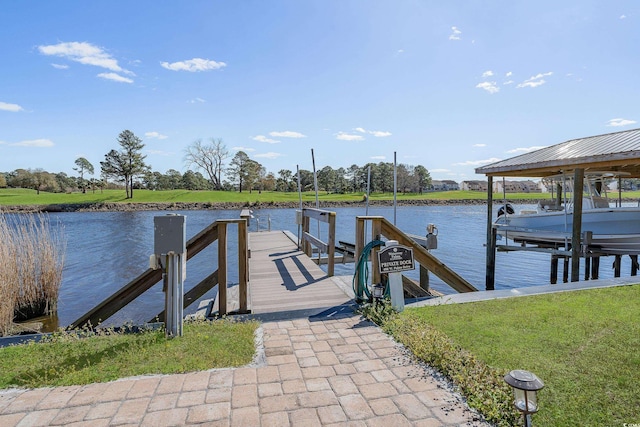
[(619, 151)]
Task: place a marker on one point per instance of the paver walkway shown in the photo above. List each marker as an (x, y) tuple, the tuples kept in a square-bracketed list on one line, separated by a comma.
[(318, 371)]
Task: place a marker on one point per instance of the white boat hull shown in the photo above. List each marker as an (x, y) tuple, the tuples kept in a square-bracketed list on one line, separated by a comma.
[(614, 231)]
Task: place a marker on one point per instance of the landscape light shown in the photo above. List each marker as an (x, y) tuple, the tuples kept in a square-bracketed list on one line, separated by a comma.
[(525, 387), (378, 291)]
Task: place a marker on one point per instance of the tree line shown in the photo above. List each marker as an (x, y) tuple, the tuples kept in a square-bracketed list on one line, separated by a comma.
[(208, 169)]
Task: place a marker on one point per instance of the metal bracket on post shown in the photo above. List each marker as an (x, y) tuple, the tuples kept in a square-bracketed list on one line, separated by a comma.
[(170, 247)]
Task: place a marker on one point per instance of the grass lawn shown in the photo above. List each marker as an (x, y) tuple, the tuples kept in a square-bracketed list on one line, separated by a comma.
[(20, 196), (584, 345), (68, 360)]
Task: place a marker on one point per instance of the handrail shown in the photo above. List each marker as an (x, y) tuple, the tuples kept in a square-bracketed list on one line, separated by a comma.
[(195, 245), (308, 239), (380, 226)]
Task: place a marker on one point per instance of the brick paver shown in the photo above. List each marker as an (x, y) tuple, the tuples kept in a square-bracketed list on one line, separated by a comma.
[(341, 371)]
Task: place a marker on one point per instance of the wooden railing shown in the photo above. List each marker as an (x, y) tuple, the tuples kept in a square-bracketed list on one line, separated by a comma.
[(308, 240), (380, 226), (135, 288)]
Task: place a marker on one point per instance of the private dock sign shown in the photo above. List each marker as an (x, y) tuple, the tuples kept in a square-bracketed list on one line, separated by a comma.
[(395, 259)]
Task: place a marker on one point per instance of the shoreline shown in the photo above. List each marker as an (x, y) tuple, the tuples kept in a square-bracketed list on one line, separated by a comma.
[(186, 206)]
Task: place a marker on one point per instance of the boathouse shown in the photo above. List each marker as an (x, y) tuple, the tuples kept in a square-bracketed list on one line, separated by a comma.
[(618, 152)]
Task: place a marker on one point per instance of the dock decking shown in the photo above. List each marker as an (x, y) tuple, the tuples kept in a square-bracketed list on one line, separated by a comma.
[(283, 278)]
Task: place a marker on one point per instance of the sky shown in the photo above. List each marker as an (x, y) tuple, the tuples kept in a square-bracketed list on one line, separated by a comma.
[(450, 85)]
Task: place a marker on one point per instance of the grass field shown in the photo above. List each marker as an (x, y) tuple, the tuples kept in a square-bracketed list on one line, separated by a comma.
[(584, 345), (68, 360), (13, 197)]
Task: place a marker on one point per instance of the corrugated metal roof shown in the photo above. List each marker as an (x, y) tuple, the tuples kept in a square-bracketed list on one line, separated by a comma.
[(617, 150)]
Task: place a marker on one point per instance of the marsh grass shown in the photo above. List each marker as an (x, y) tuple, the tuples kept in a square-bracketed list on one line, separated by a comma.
[(72, 358), (32, 258)]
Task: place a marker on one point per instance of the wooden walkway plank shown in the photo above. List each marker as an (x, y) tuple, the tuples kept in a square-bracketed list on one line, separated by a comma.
[(283, 278)]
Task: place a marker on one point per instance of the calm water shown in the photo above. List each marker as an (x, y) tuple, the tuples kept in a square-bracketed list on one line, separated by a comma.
[(106, 250)]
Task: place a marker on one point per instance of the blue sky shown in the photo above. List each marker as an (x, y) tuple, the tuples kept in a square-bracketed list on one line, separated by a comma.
[(449, 85)]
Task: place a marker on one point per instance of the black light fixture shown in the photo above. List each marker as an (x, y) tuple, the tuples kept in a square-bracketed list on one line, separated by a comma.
[(525, 387)]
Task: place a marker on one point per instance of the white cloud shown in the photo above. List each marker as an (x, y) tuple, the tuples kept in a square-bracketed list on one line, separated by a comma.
[(34, 143), (623, 16), (526, 149), (269, 155), (379, 133), (197, 100), (535, 81), (509, 74), (378, 157), (156, 135), (376, 133), (400, 50), (245, 149), (477, 162), (620, 122), (14, 108), (487, 73), (263, 138), (193, 65), (455, 35), (84, 53), (60, 66), (115, 77), (479, 145), (439, 170), (343, 136), (490, 87), (287, 134), (508, 82)]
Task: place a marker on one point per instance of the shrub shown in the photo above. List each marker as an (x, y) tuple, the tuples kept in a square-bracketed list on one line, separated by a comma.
[(482, 385)]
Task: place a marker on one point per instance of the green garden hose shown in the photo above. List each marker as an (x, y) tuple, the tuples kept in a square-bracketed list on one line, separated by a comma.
[(360, 287)]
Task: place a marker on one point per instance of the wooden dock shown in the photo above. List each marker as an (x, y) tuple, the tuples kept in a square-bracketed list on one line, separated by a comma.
[(283, 278)]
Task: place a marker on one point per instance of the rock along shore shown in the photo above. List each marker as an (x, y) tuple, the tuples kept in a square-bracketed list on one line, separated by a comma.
[(185, 206)]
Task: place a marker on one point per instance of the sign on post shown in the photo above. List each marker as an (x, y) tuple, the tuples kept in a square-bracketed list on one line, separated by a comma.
[(395, 259)]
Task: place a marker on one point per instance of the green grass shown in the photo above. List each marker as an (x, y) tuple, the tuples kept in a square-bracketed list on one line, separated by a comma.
[(584, 345), (68, 360), (20, 196)]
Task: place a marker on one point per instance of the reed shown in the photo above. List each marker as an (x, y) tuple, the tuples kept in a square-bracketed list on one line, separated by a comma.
[(31, 259)]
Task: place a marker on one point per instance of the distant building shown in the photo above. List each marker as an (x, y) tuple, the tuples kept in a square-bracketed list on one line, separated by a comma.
[(444, 185), (527, 186), (475, 185)]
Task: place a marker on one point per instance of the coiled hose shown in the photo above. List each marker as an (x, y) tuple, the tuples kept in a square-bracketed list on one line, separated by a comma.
[(360, 287)]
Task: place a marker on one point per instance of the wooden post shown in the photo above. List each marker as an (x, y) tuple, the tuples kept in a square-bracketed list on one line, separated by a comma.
[(490, 275), (588, 236), (634, 265), (559, 195), (553, 279), (424, 278), (306, 245), (243, 264), (222, 268), (331, 249), (595, 268), (578, 182), (376, 233), (616, 265), (357, 253), (587, 267), (565, 272)]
